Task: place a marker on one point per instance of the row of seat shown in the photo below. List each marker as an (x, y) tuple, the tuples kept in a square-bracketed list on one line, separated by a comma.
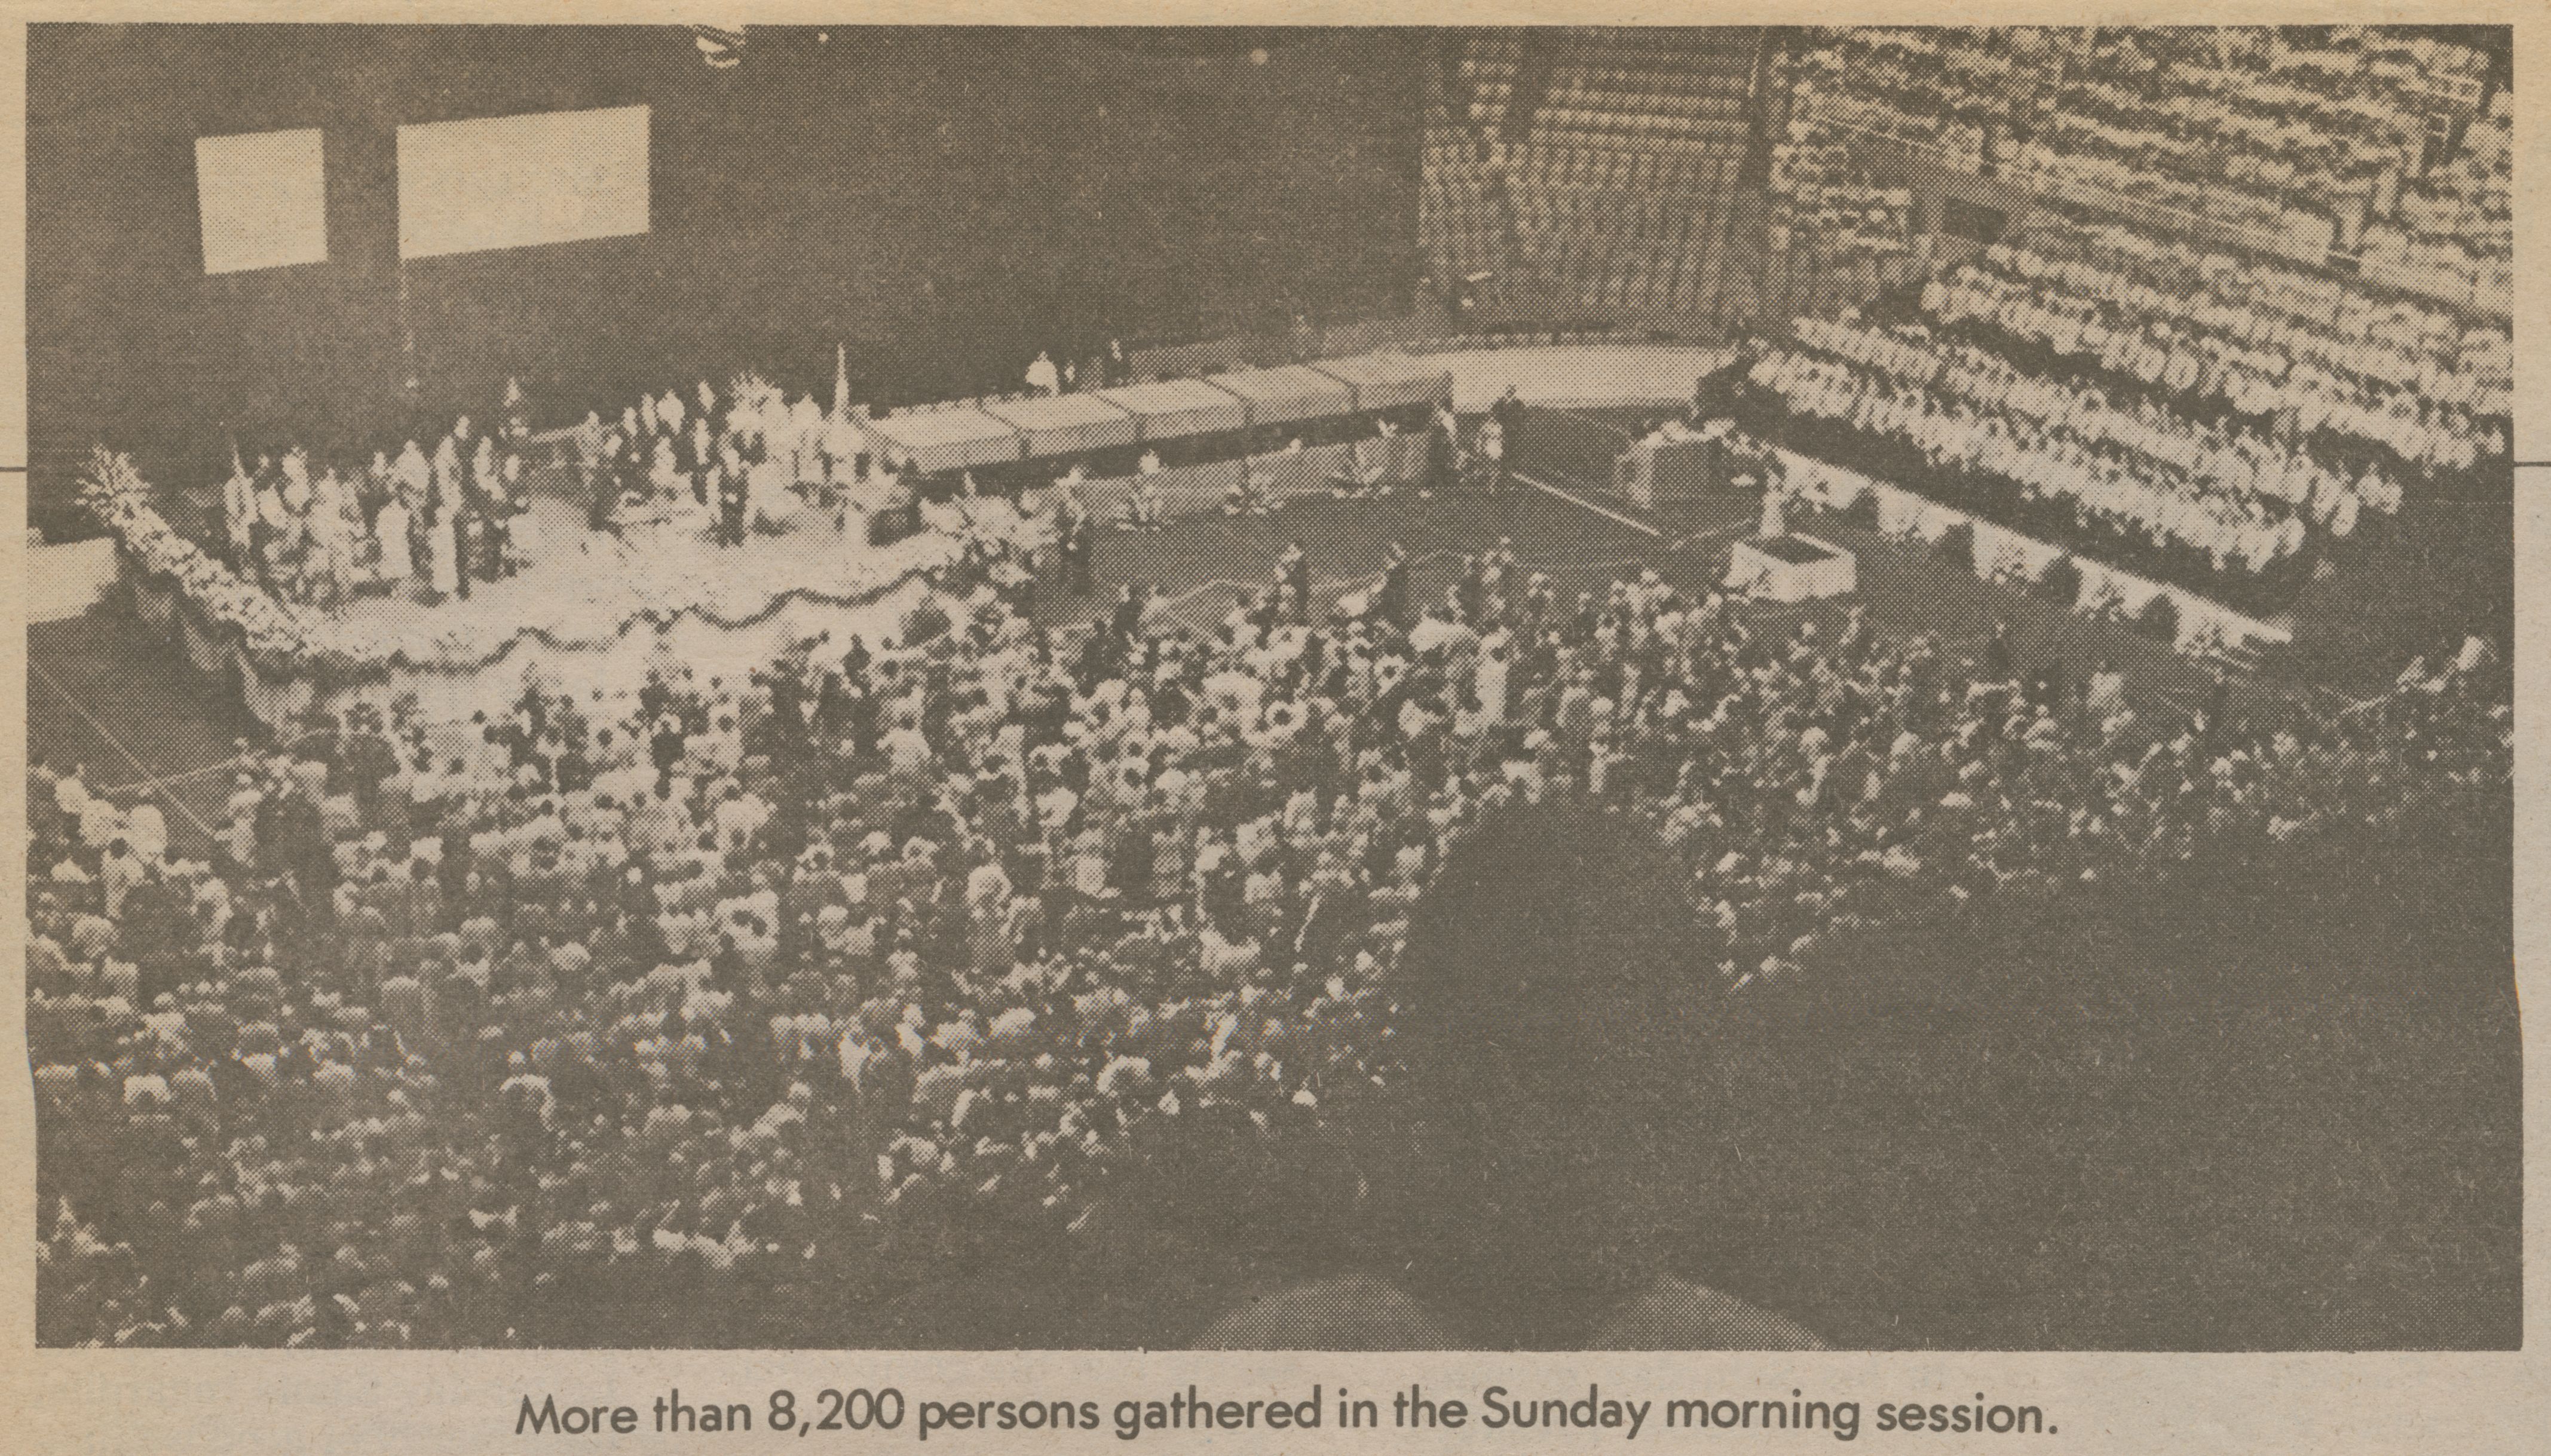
[(1462, 221), (1696, 97), (1653, 257), (1490, 67), (1641, 132), (1662, 288), (1624, 198), (1599, 170), (1802, 282), (1595, 172)]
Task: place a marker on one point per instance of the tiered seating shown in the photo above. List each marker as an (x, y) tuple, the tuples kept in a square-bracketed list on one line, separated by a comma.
[(2357, 142), (1622, 186), (2347, 364), (1490, 67), (1806, 280), (2458, 219), (1836, 236), (1461, 216), (1625, 253), (1822, 200), (1682, 94)]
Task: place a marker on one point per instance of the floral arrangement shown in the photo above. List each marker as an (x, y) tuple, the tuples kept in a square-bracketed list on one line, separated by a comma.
[(276, 637)]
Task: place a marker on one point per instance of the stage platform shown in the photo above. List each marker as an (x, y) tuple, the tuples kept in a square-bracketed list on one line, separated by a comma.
[(585, 588)]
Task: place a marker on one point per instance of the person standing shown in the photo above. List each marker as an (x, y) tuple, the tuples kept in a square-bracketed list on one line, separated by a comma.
[(1442, 450), (522, 529), (396, 561), (1294, 581), (735, 501), (1390, 598), (468, 538), (239, 514), (373, 488), (602, 485), (1492, 454), (1068, 544), (276, 526), (449, 486), (1507, 412), (443, 556), (414, 479), (1998, 664), (1042, 377), (495, 534), (483, 470), (592, 441), (1143, 510), (334, 532), (806, 445)]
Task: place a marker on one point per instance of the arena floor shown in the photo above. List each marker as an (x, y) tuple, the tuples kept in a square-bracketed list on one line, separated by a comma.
[(105, 694)]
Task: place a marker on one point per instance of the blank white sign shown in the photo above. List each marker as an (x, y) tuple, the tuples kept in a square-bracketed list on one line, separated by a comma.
[(512, 181), (264, 200)]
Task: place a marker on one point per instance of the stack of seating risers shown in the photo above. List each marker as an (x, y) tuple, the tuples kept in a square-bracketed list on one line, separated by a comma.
[(1625, 188)]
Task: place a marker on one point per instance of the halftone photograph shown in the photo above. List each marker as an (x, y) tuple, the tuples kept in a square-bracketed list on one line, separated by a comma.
[(1560, 688)]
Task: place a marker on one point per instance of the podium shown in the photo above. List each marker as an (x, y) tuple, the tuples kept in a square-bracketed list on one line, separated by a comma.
[(1657, 472)]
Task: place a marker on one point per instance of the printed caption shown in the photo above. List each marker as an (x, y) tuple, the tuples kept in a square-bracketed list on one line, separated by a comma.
[(885, 1412)]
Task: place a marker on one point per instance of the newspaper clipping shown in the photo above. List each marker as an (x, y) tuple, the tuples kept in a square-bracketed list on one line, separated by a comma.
[(1508, 731)]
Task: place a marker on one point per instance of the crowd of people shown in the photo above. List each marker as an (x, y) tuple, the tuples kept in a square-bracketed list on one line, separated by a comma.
[(2225, 511), (1822, 199), (2296, 139), (424, 525), (427, 524), (721, 463), (729, 979), (2212, 331), (2463, 208), (1104, 369)]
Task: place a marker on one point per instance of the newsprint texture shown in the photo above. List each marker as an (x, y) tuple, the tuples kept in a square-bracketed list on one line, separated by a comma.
[(1524, 730)]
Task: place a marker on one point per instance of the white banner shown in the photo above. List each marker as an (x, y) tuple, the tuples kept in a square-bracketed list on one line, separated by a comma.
[(263, 197), (514, 181)]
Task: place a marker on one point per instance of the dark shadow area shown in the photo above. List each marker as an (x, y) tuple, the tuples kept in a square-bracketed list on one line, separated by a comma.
[(2271, 1103)]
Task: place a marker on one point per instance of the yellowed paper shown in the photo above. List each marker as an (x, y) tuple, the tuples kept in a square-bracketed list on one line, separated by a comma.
[(2009, 1097)]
